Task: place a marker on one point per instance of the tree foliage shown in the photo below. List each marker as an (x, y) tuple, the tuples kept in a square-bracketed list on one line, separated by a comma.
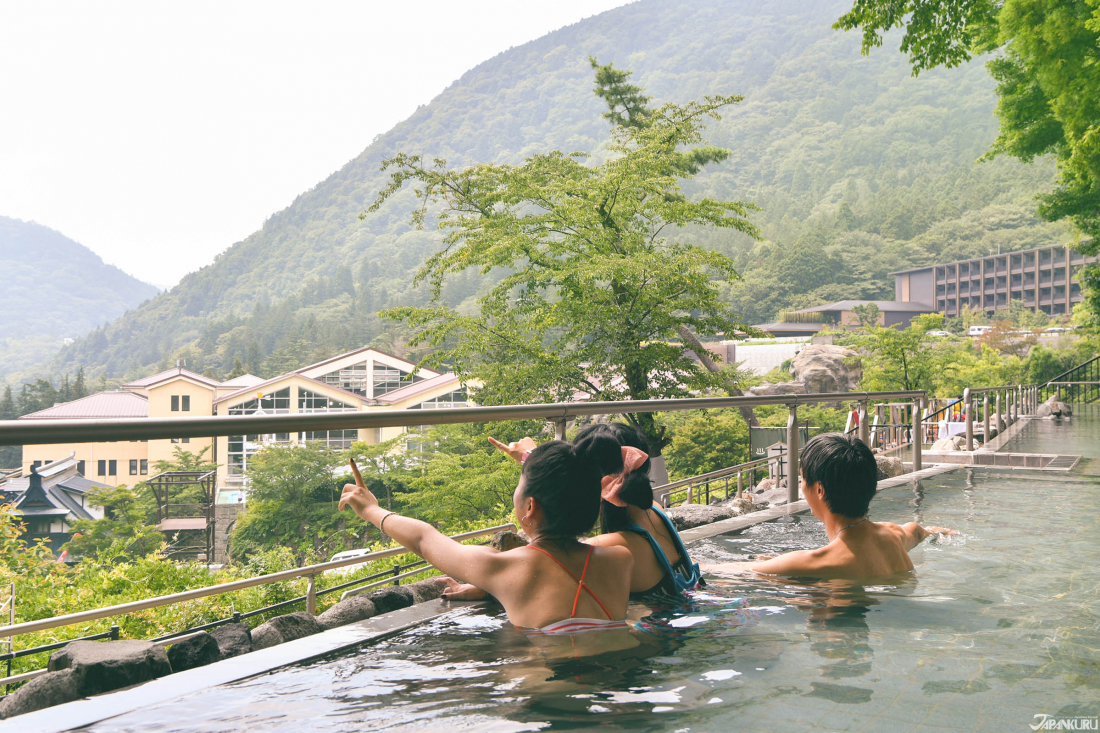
[(1047, 86), (597, 282)]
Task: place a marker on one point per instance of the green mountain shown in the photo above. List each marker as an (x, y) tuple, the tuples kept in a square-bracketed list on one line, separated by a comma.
[(859, 169), (54, 289)]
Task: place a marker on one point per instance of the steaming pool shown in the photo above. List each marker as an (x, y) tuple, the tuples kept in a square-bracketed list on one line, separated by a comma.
[(998, 624)]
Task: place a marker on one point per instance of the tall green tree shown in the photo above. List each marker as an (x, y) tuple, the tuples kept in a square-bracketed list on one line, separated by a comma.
[(596, 282), (898, 358), (1048, 54)]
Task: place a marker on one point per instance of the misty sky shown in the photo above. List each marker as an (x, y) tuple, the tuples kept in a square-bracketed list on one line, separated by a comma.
[(158, 134)]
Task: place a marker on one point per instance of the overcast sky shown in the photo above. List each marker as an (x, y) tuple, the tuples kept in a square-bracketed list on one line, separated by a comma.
[(159, 133)]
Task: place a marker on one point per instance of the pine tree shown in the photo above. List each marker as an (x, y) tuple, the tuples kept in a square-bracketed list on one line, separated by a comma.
[(7, 405), (238, 369), (80, 389)]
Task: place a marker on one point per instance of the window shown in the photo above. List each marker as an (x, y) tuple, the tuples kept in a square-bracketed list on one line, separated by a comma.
[(389, 379), (133, 467), (351, 378), (274, 403), (241, 448), (313, 402), (80, 467), (333, 439), (443, 402), (102, 468), (144, 467), (181, 440), (185, 403), (175, 403), (112, 468)]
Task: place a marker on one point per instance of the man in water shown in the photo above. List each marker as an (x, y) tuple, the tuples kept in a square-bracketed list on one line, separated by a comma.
[(839, 479)]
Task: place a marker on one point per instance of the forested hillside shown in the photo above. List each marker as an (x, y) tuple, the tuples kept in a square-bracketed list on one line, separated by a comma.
[(858, 167), (54, 288)]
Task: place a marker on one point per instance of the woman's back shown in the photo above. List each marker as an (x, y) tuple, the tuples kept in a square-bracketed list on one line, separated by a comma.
[(541, 586)]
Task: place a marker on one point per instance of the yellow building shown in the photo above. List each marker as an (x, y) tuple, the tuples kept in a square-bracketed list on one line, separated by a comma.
[(361, 380)]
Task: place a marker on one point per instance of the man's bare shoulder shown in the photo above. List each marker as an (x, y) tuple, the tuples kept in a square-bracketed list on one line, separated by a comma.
[(799, 562)]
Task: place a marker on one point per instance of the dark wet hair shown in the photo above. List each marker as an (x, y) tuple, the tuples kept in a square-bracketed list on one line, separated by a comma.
[(565, 480), (637, 489), (846, 469)]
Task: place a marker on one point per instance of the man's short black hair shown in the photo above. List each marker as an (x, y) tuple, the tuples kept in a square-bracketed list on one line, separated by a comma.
[(845, 467)]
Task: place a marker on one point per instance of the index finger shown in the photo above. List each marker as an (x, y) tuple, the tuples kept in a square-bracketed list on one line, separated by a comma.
[(497, 444), (358, 476)]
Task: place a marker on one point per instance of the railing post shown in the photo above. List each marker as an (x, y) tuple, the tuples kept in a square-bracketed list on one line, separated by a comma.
[(114, 632), (793, 474), (918, 434), (968, 416), (559, 429), (311, 596), (985, 418), (864, 428), (1000, 417), (740, 486), (396, 572)]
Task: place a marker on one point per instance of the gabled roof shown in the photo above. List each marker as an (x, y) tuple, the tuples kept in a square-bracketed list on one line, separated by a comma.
[(100, 404), (245, 380), (363, 350), (149, 381), (282, 377), (418, 388)]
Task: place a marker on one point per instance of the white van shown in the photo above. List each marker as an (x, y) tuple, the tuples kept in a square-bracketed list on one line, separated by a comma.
[(979, 330)]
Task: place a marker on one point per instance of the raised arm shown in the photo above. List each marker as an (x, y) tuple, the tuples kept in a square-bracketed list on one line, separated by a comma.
[(912, 534), (470, 563)]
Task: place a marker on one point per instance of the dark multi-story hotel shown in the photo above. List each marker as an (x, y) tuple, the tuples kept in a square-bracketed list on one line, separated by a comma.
[(1043, 279)]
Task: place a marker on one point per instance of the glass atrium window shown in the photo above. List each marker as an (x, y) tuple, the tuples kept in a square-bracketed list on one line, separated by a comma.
[(388, 379), (333, 439), (444, 402), (313, 402), (275, 402), (351, 379)]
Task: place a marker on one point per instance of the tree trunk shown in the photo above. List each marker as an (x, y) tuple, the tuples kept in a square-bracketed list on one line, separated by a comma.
[(730, 386)]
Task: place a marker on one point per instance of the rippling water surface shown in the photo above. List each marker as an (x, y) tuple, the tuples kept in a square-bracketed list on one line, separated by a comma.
[(996, 625)]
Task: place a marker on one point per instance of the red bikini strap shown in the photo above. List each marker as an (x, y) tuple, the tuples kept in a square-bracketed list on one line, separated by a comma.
[(580, 581)]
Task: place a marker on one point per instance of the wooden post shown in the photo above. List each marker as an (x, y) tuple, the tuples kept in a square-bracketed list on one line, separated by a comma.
[(985, 418), (311, 596), (864, 428), (792, 454), (968, 416), (918, 434)]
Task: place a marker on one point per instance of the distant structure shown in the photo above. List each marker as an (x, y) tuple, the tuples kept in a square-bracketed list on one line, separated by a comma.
[(1042, 279), (365, 379), (808, 321), (49, 499)]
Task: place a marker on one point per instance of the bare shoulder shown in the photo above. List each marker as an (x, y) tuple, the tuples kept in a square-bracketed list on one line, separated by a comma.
[(611, 539), (617, 553), (799, 562)]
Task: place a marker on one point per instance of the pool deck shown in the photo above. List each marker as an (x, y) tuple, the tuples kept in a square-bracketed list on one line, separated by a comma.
[(81, 713)]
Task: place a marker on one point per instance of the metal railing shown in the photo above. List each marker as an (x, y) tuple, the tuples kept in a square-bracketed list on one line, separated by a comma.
[(699, 487), (44, 432), (1079, 384)]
